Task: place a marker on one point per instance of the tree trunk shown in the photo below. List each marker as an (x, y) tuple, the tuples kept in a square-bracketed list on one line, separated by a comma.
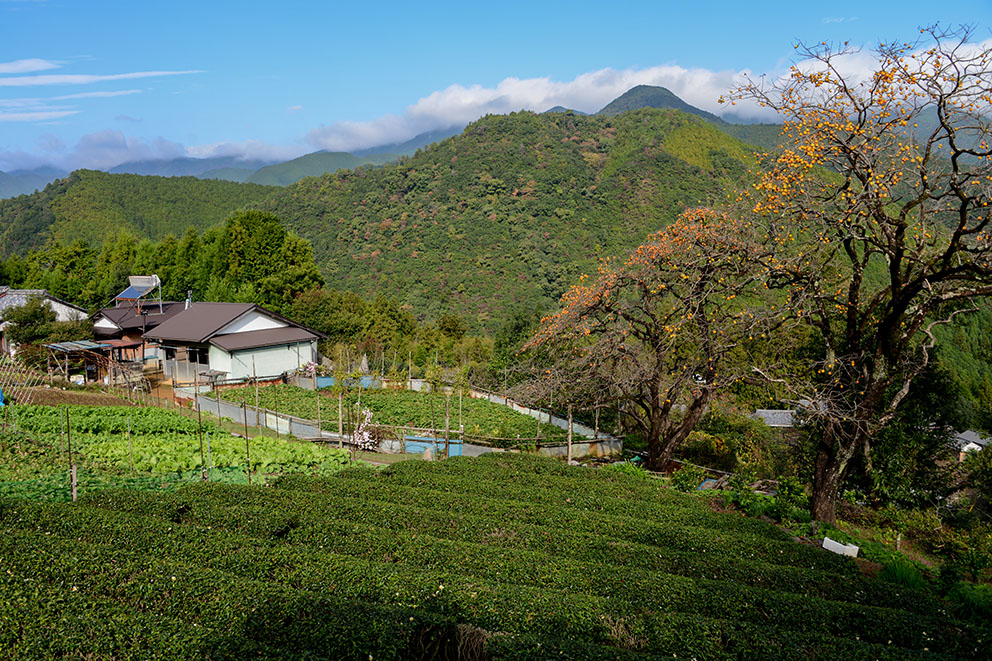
[(834, 451), (665, 434)]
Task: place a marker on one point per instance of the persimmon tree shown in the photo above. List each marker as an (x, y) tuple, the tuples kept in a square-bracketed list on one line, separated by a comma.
[(661, 332), (875, 220)]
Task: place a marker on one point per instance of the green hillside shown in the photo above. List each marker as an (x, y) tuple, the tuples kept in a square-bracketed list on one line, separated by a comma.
[(511, 211), (311, 165), (89, 205), (499, 557)]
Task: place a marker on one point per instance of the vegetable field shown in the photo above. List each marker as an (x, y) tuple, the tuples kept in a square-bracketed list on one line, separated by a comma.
[(499, 557), (402, 408), (163, 447)]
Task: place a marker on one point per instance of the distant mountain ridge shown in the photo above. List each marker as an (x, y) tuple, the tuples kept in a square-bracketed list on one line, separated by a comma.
[(25, 182), (187, 166), (232, 168)]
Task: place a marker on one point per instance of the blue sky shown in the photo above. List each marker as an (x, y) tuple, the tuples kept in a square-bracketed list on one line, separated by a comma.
[(93, 84)]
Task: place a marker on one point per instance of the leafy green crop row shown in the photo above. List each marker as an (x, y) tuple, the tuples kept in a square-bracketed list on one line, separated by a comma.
[(161, 443), (402, 408)]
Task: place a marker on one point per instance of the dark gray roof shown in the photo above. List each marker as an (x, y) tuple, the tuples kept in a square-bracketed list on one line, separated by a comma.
[(129, 316), (231, 342), (12, 298), (776, 417), (970, 436), (199, 322)]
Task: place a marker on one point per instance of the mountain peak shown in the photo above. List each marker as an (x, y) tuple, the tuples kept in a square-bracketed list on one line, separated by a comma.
[(651, 96)]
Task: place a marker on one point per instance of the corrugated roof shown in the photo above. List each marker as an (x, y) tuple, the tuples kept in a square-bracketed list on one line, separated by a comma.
[(262, 338), (79, 345), (198, 322)]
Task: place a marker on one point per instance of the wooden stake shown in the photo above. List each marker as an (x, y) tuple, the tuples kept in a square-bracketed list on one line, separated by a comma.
[(130, 448), (74, 482), (244, 409), (320, 433), (447, 403), (569, 433), (340, 417), (254, 376)]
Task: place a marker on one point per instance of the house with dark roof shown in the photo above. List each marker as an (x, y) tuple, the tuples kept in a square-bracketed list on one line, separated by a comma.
[(232, 341), (14, 298), (970, 441), (124, 327)]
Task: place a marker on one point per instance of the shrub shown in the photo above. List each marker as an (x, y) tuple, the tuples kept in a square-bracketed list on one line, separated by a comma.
[(688, 478), (903, 572), (972, 601), (626, 468)]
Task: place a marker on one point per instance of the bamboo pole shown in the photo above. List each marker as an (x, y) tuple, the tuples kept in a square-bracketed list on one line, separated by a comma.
[(340, 417)]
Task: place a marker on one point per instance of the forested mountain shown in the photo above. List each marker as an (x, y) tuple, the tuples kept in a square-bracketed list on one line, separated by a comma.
[(650, 96), (511, 211), (89, 205), (312, 165)]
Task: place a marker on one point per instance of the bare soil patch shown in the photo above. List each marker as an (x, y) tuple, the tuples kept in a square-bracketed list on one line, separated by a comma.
[(57, 396)]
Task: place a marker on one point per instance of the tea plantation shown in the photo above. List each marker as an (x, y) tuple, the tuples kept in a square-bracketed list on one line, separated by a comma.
[(501, 557)]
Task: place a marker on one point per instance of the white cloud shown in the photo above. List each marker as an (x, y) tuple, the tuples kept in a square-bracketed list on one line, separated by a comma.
[(95, 95), (294, 108), (458, 105), (35, 116), (105, 149), (27, 66), (248, 149), (85, 79)]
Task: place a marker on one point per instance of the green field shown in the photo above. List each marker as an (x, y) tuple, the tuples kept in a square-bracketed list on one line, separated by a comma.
[(403, 408), (502, 557), (164, 449)]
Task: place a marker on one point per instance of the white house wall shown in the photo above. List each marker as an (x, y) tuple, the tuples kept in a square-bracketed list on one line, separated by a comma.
[(64, 312), (103, 322), (252, 321), (220, 360), (269, 361)]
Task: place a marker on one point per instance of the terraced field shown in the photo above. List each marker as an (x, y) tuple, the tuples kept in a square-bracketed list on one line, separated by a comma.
[(500, 557)]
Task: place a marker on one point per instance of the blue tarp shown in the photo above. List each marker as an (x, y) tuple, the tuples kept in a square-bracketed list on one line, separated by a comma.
[(1, 397), (419, 444)]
